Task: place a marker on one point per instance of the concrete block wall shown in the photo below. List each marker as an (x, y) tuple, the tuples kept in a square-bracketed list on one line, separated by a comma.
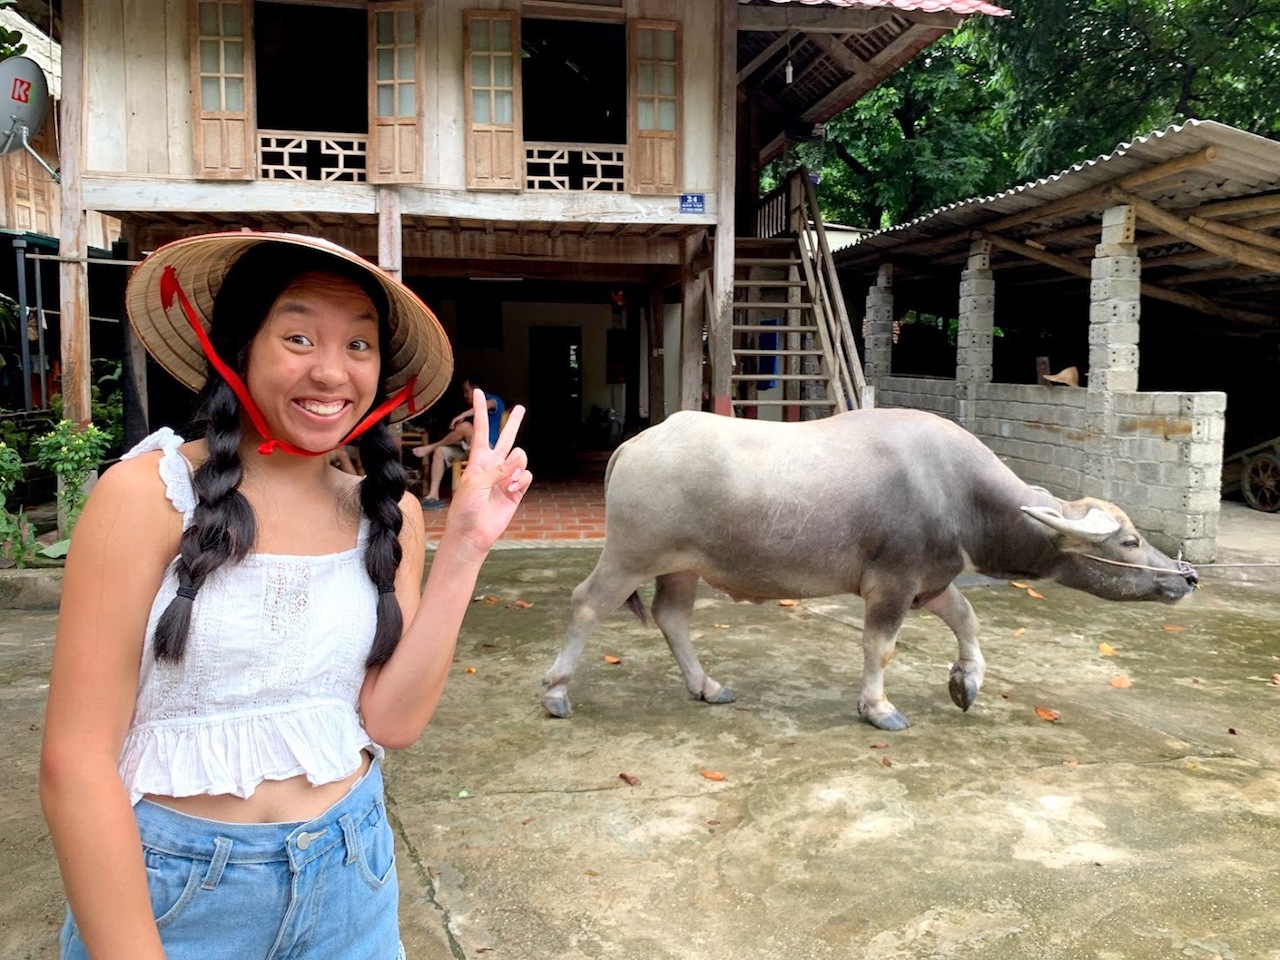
[(921, 393), (1166, 468), (1042, 433)]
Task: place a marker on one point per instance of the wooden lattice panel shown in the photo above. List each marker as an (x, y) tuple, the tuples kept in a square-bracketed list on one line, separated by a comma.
[(293, 155), (552, 166)]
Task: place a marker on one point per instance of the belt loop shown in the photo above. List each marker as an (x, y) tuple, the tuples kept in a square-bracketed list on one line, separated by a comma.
[(351, 837), (221, 851)]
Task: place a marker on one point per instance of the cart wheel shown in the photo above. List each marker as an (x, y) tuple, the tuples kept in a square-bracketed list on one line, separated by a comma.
[(1260, 484)]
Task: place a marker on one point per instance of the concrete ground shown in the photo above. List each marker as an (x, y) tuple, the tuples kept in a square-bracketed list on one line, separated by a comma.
[(1142, 823)]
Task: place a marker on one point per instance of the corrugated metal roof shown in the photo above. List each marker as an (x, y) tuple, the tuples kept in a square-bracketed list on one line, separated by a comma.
[(1244, 164), (962, 7)]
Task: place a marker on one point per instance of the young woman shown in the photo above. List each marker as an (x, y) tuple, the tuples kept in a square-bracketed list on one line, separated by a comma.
[(244, 629)]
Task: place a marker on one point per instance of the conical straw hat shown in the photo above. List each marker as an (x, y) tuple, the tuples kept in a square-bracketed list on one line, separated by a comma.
[(418, 345)]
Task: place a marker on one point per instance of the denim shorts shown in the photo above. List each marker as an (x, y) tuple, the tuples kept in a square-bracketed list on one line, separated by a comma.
[(325, 888)]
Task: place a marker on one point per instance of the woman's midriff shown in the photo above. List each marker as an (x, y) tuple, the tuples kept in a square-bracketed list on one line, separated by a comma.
[(274, 801)]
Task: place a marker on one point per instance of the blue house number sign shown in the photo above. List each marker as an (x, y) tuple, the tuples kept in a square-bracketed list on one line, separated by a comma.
[(693, 203)]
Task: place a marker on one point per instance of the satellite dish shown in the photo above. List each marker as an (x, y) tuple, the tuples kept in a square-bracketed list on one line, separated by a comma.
[(24, 102)]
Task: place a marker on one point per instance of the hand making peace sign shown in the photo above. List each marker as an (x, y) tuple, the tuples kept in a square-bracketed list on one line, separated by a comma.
[(494, 481)]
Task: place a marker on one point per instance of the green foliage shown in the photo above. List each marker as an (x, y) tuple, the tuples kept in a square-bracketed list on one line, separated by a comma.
[(11, 44), (1080, 76), (72, 454), (1005, 100), (17, 538), (106, 403)]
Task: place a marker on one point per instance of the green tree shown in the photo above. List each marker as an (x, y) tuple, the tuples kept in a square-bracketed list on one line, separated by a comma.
[(1080, 76), (1005, 100)]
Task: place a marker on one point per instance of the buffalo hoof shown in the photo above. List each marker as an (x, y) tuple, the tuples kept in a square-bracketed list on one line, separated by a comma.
[(557, 705), (891, 719), (963, 688), (722, 695)]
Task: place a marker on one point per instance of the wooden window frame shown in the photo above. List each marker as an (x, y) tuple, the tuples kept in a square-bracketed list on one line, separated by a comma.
[(639, 141), (484, 139), (232, 128), (395, 142)]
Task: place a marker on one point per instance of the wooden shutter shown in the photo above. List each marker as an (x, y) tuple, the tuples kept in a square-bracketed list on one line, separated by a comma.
[(395, 93), (222, 85), (494, 142), (654, 51)]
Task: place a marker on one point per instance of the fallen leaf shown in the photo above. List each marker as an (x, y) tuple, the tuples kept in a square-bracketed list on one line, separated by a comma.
[(484, 949), (593, 873), (879, 746), (886, 762), (1006, 696), (712, 774), (1106, 649), (1121, 683), (1044, 713), (1172, 628), (1034, 595), (721, 626), (492, 601), (520, 605), (630, 780), (1275, 678), (1019, 585), (469, 670), (1232, 731), (526, 821), (1020, 631), (611, 659), (788, 603), (1196, 680), (713, 823)]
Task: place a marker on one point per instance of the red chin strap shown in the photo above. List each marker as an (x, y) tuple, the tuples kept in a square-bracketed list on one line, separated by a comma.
[(170, 287)]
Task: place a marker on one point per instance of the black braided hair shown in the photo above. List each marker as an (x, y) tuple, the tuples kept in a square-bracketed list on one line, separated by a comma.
[(380, 493), (223, 527)]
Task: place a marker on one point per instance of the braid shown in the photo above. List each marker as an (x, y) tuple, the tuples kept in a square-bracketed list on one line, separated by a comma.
[(380, 493), (223, 526)]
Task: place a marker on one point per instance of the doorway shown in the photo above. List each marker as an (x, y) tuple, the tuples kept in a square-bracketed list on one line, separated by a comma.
[(555, 398)]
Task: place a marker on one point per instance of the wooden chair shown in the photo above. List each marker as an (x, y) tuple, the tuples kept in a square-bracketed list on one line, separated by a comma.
[(460, 465)]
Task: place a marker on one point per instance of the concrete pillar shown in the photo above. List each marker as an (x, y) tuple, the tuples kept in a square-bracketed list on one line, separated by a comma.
[(1114, 308), (1115, 305), (878, 343), (973, 338)]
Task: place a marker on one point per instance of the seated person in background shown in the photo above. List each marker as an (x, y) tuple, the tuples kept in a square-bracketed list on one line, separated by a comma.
[(455, 444)]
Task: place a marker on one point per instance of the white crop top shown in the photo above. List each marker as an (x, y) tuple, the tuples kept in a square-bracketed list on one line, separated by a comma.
[(269, 685)]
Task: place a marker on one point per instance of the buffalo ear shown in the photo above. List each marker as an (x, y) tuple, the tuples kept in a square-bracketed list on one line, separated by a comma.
[(1095, 526)]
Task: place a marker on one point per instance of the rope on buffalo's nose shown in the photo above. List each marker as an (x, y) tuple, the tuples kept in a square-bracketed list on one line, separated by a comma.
[(1185, 569)]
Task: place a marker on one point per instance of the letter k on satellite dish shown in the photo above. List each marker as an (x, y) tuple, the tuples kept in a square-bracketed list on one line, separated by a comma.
[(24, 101)]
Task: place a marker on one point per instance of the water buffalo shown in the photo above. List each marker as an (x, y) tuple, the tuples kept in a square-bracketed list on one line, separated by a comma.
[(891, 505)]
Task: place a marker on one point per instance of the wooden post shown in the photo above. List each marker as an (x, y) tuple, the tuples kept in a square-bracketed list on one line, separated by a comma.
[(657, 379), (692, 308), (133, 357), (73, 284), (720, 336), (390, 237)]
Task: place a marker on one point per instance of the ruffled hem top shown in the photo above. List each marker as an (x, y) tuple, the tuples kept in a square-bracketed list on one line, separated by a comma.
[(268, 685)]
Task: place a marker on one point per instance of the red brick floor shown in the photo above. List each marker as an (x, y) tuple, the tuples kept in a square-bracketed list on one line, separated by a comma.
[(554, 513)]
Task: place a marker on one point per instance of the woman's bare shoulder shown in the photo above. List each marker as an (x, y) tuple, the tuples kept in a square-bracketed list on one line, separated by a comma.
[(134, 490)]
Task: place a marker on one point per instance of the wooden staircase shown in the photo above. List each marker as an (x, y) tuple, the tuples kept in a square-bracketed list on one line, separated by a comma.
[(792, 344)]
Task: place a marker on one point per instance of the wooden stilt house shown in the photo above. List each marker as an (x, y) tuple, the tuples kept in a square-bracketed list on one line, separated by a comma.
[(572, 184)]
